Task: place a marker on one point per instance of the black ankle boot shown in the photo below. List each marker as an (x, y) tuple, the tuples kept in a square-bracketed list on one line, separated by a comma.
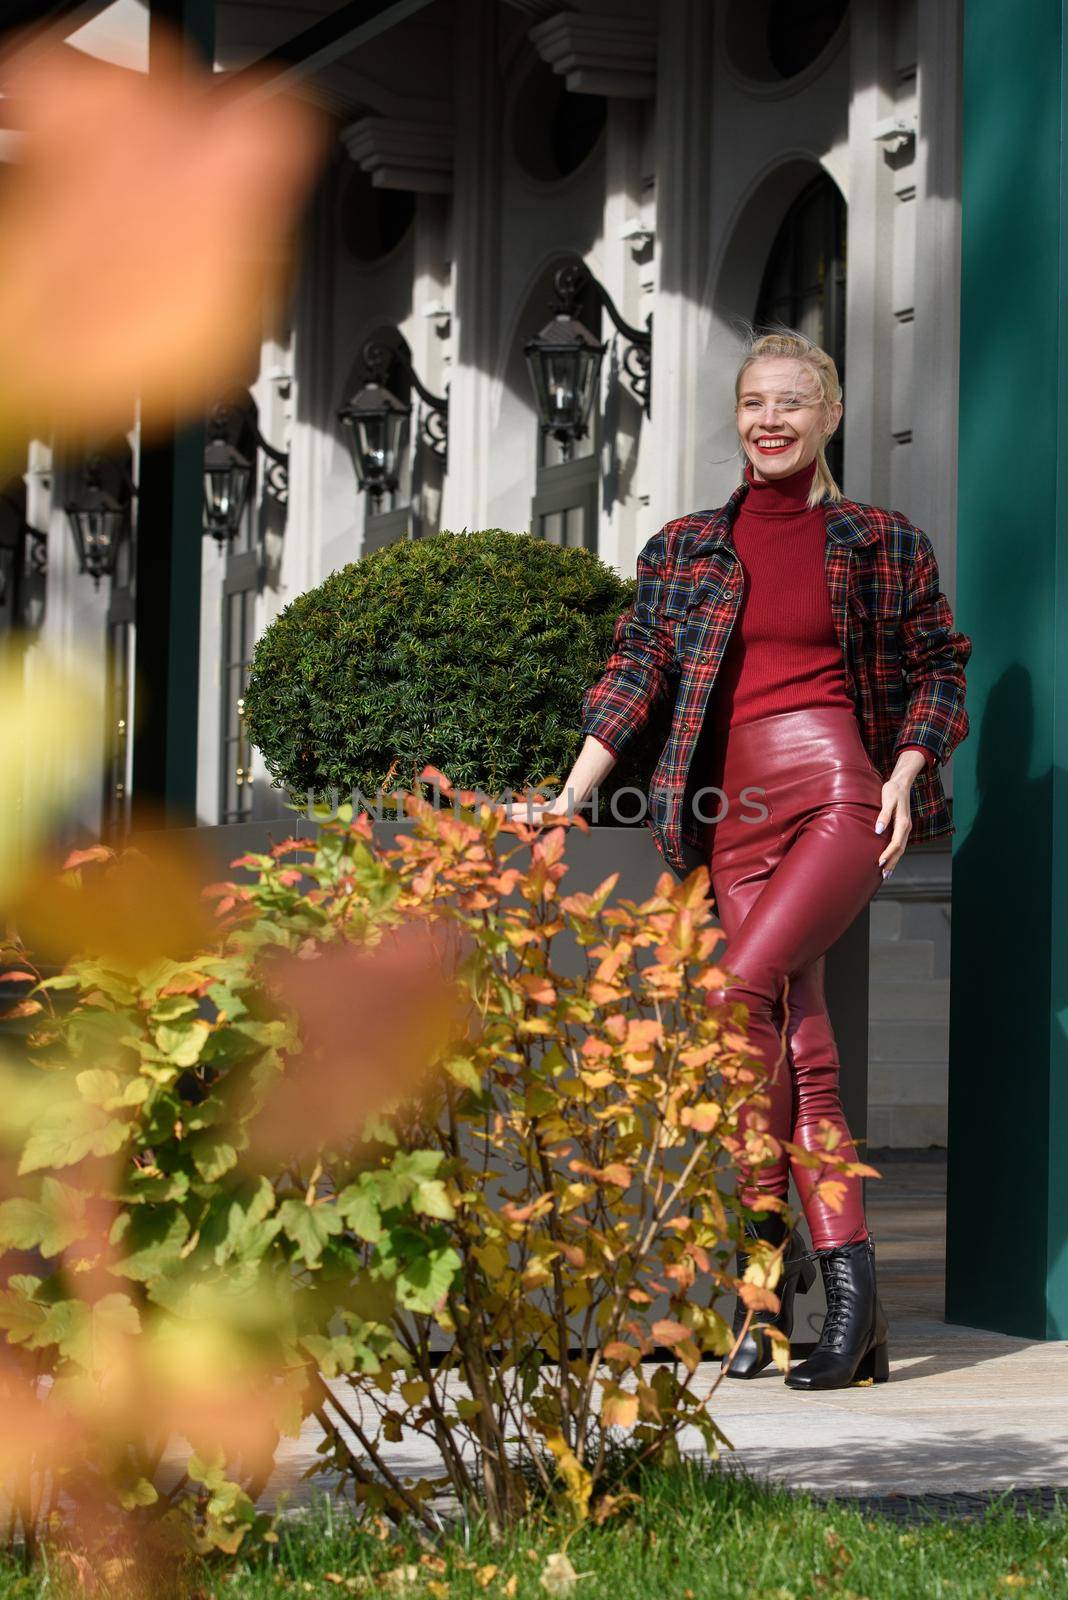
[(852, 1345), (798, 1274)]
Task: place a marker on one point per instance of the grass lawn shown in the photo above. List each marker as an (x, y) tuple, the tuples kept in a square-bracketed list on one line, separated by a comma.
[(694, 1535)]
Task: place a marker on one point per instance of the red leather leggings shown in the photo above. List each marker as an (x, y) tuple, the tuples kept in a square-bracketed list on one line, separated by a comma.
[(787, 885)]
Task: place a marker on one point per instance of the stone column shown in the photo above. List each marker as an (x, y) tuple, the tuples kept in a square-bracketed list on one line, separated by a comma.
[(475, 254), (683, 227), (937, 338), (429, 289), (870, 254), (1008, 1084)]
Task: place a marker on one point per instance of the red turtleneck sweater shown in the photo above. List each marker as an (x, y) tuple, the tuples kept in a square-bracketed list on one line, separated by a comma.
[(783, 653)]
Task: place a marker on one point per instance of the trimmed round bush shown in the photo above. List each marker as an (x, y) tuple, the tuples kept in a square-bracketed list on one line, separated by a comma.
[(467, 651)]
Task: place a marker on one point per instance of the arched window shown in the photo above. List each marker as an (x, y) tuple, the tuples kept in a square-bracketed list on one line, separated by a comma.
[(804, 284)]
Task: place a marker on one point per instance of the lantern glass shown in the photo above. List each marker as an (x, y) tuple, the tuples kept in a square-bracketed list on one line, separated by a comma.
[(374, 423), (564, 360), (98, 525), (227, 484)]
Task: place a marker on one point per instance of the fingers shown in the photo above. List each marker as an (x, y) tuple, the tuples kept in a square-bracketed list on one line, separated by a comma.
[(897, 812)]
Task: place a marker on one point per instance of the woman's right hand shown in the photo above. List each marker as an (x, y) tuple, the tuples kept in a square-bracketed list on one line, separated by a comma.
[(535, 811)]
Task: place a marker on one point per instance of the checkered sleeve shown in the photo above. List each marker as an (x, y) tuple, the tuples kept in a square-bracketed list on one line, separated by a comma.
[(640, 670), (934, 655), (929, 755)]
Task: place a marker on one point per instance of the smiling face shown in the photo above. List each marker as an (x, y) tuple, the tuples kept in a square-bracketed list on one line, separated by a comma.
[(782, 418)]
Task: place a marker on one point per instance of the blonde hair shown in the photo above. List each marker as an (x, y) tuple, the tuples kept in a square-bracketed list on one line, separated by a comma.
[(788, 343)]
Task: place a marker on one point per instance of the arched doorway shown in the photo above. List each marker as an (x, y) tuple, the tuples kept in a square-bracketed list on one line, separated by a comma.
[(804, 282)]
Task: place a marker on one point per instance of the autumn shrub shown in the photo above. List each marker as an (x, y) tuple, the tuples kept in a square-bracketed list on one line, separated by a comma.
[(240, 1205)]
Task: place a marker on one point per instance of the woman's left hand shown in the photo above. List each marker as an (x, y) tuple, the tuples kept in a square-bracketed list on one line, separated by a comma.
[(895, 813)]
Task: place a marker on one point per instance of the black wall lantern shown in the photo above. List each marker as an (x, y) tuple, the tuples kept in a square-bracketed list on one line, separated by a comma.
[(374, 419), (234, 437), (99, 513), (565, 358)]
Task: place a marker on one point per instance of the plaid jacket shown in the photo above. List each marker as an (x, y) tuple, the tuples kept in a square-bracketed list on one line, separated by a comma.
[(904, 661)]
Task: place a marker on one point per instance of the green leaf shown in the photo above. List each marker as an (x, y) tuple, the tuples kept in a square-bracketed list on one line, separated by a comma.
[(97, 1085), (249, 1228), (333, 1357), (21, 1314), (88, 1334), (139, 1494), (67, 1134), (430, 1199), (48, 1224), (213, 1156), (173, 1006), (421, 1268), (182, 1043), (463, 1072), (152, 1241), (152, 1188), (309, 1227), (359, 1205)]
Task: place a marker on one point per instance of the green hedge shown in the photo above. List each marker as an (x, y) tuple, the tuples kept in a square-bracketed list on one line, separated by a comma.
[(470, 651)]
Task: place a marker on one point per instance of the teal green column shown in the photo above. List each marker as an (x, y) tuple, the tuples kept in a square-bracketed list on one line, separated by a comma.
[(1008, 1084)]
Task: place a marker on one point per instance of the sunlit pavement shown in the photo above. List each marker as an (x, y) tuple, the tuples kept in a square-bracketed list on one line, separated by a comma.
[(964, 1410)]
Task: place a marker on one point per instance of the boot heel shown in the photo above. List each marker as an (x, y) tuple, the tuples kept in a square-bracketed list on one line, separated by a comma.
[(875, 1365)]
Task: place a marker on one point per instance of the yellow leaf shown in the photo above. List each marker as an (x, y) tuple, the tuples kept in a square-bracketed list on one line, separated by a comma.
[(780, 1348), (399, 1579), (484, 1576), (414, 1391), (558, 1576), (511, 1586), (577, 1481)]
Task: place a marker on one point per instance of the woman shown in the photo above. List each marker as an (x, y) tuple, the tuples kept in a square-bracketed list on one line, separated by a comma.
[(817, 686)]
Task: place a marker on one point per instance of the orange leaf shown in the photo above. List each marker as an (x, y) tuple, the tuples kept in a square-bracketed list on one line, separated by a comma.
[(833, 1192), (669, 1332), (758, 1298), (24, 1008), (619, 1410), (616, 1350), (703, 1117), (80, 858)]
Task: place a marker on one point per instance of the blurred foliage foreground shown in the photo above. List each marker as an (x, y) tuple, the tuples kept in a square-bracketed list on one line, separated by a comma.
[(352, 1154)]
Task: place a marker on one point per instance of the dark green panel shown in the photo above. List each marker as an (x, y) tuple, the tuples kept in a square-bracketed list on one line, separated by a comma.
[(1007, 1212), (169, 541)]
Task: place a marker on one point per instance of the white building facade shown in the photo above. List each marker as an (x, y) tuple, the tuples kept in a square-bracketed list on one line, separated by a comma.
[(712, 162)]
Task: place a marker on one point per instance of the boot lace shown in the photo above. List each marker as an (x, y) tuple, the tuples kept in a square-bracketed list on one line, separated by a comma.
[(837, 1303), (836, 1283)]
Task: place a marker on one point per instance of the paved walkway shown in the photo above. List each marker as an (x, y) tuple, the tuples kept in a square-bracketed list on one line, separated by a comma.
[(964, 1411)]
